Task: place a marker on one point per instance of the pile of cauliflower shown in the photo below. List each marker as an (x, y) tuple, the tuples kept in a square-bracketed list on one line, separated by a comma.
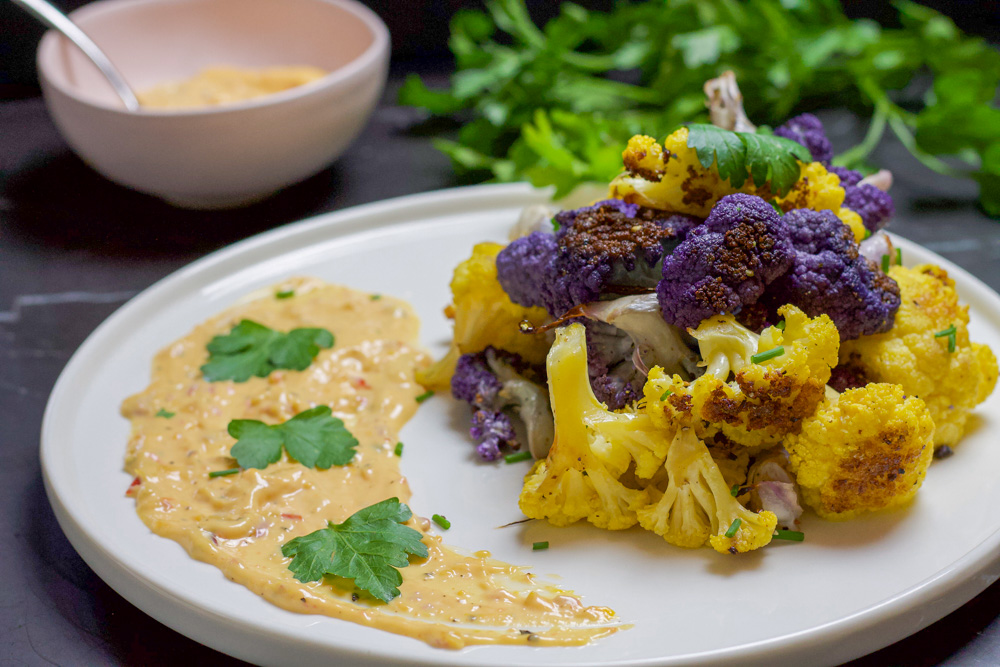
[(704, 360)]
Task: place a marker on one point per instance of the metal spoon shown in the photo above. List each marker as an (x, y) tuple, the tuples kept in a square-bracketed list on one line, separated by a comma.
[(54, 18)]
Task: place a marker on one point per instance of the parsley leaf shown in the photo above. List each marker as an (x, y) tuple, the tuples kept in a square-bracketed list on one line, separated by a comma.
[(368, 547), (767, 158), (314, 438), (252, 349), (166, 414)]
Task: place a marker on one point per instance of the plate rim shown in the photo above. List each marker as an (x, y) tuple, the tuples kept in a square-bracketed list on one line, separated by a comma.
[(869, 629)]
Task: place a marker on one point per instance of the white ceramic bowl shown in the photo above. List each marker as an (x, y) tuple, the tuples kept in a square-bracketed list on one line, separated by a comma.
[(223, 156)]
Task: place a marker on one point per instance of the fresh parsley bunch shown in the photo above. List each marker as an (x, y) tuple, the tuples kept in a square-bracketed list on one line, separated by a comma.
[(555, 105)]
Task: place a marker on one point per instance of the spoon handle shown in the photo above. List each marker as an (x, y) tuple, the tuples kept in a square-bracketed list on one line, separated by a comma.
[(54, 18)]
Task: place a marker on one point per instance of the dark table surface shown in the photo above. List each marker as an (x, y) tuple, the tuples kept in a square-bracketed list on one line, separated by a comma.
[(74, 247)]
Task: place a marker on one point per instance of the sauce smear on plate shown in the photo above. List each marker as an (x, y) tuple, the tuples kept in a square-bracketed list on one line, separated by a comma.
[(239, 522)]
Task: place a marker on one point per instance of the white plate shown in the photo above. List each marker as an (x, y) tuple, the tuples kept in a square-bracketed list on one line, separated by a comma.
[(849, 589)]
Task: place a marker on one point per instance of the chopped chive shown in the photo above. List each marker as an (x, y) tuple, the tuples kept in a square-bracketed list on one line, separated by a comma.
[(539, 546), (733, 527), (950, 333), (376, 297), (223, 473), (517, 457), (868, 234), (780, 325), (424, 396), (790, 535), (166, 414), (899, 256), (664, 395), (769, 354), (735, 491), (775, 206), (885, 263), (399, 449), (287, 294), (441, 521)]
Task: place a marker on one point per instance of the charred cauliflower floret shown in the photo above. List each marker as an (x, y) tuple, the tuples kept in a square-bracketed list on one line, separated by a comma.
[(592, 449), (484, 316), (869, 450), (766, 400), (696, 506), (670, 177), (924, 355)]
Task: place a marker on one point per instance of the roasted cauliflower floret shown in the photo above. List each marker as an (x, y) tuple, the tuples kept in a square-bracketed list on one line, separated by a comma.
[(484, 316), (696, 506), (670, 177), (593, 448), (869, 450), (951, 374), (766, 400)]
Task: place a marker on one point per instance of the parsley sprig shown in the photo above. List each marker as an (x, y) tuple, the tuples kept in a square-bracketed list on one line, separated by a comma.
[(556, 104), (368, 547), (314, 438), (253, 349), (766, 158)]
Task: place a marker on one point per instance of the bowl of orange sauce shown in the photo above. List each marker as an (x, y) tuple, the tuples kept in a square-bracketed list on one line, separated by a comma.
[(238, 98)]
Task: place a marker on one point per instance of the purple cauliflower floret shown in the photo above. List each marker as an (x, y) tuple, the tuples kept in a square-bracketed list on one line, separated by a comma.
[(807, 130), (726, 263), (847, 176), (491, 430), (597, 249), (474, 382), (830, 276), (494, 384), (613, 375), (873, 205)]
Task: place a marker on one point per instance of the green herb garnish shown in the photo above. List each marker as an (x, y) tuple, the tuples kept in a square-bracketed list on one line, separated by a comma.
[(780, 325), (766, 158), (664, 395), (286, 294), (223, 473), (769, 354), (399, 449), (549, 105), (790, 535), (424, 396), (441, 521), (540, 546), (314, 438), (733, 527), (252, 349), (368, 547), (375, 297), (899, 256), (166, 414), (950, 333), (517, 457), (735, 490), (885, 263)]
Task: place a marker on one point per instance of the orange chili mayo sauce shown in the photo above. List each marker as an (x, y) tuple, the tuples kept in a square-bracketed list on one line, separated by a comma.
[(239, 522), (225, 85)]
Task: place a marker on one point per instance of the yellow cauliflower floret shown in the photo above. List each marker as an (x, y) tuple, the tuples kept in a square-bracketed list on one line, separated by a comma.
[(696, 507), (816, 188), (910, 355), (869, 450), (484, 315), (592, 449), (854, 221), (671, 177), (766, 400)]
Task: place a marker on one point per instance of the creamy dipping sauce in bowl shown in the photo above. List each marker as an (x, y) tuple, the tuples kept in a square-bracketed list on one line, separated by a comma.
[(239, 522), (226, 85)]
